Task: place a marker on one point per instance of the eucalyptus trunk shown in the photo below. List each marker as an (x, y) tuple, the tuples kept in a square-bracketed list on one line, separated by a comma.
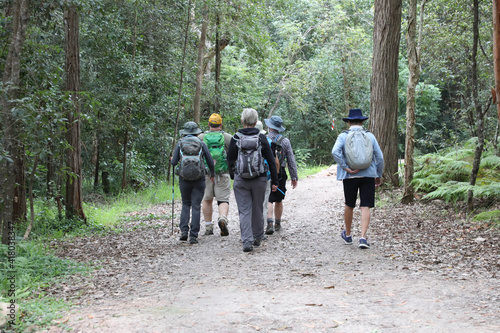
[(124, 169), (73, 199), (384, 85), (217, 68), (496, 52), (199, 74), (414, 70), (11, 81), (480, 114)]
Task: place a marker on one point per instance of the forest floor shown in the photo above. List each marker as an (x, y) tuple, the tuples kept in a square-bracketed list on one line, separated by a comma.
[(427, 271)]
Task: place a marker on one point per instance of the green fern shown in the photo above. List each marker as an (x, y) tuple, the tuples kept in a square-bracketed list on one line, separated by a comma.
[(493, 216), (491, 162), (488, 191), (460, 154), (427, 184), (451, 191)]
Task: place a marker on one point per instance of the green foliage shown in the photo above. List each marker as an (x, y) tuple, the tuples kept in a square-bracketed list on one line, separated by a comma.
[(446, 176), (308, 170), (36, 267), (490, 216), (112, 211)]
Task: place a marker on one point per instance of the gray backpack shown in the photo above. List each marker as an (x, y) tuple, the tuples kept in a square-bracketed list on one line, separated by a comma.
[(191, 165), (358, 149), (250, 162)]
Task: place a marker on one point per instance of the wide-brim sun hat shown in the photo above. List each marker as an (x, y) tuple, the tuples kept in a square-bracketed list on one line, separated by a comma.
[(275, 122), (355, 114), (190, 128), (260, 126)]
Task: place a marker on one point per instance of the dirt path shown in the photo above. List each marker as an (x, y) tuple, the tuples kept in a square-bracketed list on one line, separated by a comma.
[(302, 279)]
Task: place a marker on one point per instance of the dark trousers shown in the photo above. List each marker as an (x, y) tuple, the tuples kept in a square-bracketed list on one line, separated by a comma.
[(192, 194)]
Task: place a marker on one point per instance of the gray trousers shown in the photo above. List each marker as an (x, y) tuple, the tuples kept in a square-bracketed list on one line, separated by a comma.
[(191, 193), (249, 195)]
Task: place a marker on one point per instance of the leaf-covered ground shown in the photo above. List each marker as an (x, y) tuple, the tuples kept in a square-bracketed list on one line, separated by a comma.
[(427, 271)]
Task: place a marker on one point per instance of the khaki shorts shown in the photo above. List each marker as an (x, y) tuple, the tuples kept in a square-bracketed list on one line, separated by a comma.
[(220, 188)]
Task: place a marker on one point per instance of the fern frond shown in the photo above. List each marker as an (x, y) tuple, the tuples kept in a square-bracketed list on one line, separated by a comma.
[(451, 191), (489, 191), (491, 162), (460, 154), (426, 184)]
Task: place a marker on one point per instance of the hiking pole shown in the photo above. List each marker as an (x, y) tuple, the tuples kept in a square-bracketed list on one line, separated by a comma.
[(179, 101), (173, 191)]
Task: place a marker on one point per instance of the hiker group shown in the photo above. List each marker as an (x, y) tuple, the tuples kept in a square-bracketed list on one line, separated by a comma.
[(206, 163)]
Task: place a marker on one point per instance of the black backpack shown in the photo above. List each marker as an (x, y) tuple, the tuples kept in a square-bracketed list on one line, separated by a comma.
[(191, 166), (277, 148), (250, 162)]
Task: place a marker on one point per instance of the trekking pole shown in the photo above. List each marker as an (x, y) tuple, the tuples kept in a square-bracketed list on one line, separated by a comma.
[(173, 192), (179, 100)]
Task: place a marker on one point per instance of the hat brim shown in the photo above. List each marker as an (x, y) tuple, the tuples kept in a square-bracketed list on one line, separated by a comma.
[(270, 125), (346, 119), (184, 132)]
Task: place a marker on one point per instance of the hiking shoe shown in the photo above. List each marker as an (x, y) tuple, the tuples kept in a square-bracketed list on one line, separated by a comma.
[(247, 248), (193, 240), (269, 229), (347, 240), (223, 226), (277, 227), (258, 241), (209, 229), (363, 244), (184, 237)]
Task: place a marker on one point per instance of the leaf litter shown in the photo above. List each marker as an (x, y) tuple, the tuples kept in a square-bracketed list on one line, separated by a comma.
[(303, 268)]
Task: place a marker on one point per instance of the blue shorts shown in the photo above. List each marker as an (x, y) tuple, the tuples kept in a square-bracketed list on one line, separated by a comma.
[(366, 187)]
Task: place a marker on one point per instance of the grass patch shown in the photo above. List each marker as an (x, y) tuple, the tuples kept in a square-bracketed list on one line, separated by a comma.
[(35, 268), (110, 213), (309, 170)]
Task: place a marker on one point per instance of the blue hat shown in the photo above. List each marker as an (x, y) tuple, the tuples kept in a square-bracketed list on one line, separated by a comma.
[(355, 114), (275, 122)]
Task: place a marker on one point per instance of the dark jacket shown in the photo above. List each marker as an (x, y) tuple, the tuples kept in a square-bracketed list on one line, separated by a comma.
[(206, 155), (232, 153)]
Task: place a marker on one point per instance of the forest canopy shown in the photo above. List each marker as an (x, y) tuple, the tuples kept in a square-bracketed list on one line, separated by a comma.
[(308, 61)]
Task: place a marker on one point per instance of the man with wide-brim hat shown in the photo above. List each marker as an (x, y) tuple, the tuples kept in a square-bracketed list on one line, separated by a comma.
[(283, 149), (355, 115), (191, 189), (354, 180)]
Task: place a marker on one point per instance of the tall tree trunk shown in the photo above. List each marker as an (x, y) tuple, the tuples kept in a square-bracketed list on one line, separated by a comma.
[(50, 176), (479, 111), (347, 87), (124, 170), (73, 200), (217, 67), (496, 52), (97, 157), (199, 74), (32, 206), (20, 208), (384, 85), (414, 69), (11, 80)]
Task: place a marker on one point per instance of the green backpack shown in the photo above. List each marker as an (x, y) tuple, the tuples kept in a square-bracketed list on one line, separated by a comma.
[(215, 143)]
